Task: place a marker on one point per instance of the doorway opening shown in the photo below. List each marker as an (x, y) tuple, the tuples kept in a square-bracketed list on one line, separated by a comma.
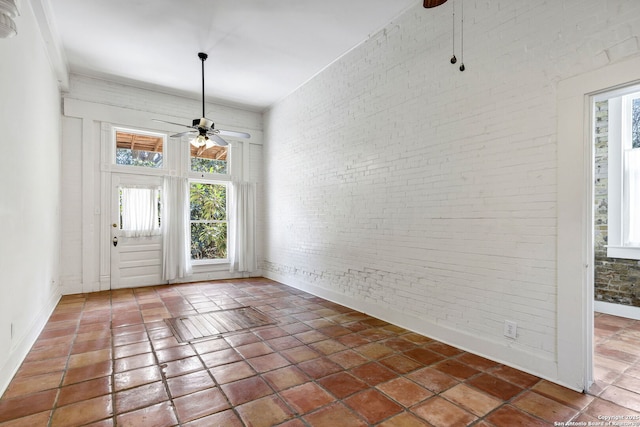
[(615, 129), (575, 317), (616, 197)]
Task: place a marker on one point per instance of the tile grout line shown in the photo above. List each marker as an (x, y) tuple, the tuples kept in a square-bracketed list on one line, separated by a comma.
[(113, 362), (54, 407), (160, 367)]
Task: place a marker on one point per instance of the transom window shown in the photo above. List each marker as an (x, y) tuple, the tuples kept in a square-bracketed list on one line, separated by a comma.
[(137, 148), (209, 160)]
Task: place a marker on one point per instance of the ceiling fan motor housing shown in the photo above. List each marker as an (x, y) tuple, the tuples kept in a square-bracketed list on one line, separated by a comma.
[(203, 123)]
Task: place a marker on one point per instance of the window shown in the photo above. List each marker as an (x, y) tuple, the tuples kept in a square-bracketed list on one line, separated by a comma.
[(208, 220), (624, 175), (138, 148), (209, 160), (139, 211)]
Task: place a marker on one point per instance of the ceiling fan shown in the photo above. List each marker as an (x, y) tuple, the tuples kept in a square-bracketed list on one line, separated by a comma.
[(433, 3), (206, 135)]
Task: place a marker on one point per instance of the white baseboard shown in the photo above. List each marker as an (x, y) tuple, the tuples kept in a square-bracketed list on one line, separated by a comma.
[(617, 309), (21, 348), (499, 351)]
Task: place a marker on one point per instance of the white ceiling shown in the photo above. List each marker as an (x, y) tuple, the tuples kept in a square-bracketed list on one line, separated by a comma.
[(259, 50)]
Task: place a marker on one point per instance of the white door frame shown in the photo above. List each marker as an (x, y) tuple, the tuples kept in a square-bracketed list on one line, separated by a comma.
[(575, 217)]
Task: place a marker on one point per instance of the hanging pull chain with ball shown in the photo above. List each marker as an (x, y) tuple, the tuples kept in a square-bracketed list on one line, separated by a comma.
[(462, 67)]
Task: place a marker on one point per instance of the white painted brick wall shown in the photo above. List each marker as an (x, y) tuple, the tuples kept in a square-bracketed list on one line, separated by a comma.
[(396, 179)]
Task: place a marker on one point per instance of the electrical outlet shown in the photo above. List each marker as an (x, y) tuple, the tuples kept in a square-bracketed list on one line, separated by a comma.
[(510, 329)]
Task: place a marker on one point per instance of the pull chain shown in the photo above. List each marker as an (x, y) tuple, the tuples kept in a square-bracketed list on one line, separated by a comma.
[(453, 34), (462, 68)]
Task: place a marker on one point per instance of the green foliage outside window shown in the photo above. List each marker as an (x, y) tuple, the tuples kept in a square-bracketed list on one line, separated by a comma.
[(149, 159), (208, 204), (199, 164)]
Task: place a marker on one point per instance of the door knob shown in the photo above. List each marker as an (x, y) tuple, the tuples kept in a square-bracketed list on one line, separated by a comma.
[(114, 225), (115, 240)]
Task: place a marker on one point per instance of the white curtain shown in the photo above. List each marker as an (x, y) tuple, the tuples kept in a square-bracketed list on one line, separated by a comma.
[(176, 256), (139, 211), (242, 228), (632, 196)]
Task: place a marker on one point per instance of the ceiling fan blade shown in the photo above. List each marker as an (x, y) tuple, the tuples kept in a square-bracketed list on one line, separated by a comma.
[(178, 135), (433, 3), (219, 141), (233, 133), (172, 123)]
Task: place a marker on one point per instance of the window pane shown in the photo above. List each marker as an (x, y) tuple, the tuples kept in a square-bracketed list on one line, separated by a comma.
[(139, 211), (208, 206), (208, 241), (208, 202), (632, 198), (211, 160), (134, 149)]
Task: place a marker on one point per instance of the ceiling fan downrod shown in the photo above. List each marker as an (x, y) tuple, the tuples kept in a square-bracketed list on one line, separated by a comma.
[(203, 57)]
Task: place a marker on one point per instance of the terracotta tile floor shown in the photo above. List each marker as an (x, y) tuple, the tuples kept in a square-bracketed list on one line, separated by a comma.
[(108, 359)]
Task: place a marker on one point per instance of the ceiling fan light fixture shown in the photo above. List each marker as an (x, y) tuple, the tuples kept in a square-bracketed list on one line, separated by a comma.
[(199, 141)]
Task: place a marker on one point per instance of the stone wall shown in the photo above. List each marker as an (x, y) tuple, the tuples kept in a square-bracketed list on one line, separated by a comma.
[(615, 279)]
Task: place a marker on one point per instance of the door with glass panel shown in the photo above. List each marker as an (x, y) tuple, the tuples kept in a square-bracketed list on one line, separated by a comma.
[(136, 238)]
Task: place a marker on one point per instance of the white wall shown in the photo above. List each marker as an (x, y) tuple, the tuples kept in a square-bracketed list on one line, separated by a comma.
[(88, 105), (30, 189), (427, 196)]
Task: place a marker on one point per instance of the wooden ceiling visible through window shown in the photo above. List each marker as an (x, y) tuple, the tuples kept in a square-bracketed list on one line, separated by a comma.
[(135, 141), (213, 153)]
